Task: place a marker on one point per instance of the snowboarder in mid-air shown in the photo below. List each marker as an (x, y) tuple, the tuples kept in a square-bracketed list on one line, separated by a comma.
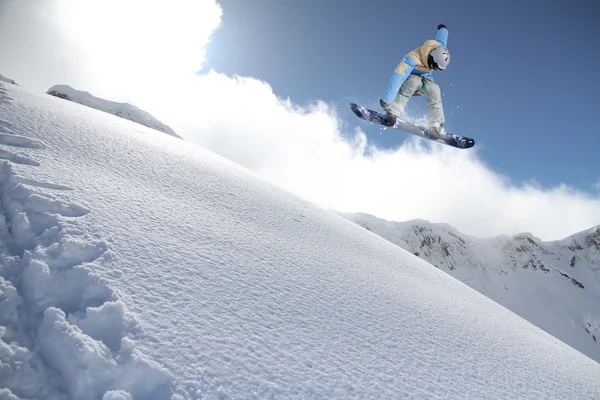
[(413, 76)]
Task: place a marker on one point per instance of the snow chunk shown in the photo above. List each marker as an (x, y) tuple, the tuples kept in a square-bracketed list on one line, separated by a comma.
[(22, 372), (86, 363), (106, 323), (89, 366)]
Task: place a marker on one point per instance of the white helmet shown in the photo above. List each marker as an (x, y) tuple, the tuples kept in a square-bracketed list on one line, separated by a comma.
[(438, 58)]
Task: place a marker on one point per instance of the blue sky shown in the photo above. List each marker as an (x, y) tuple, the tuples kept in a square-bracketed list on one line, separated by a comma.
[(521, 80)]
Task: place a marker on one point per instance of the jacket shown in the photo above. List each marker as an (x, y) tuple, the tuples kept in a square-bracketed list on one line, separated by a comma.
[(415, 62)]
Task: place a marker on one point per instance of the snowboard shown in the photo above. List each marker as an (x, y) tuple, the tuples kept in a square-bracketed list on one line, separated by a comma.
[(460, 142)]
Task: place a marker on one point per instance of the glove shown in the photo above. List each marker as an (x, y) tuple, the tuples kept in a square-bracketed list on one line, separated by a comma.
[(440, 26)]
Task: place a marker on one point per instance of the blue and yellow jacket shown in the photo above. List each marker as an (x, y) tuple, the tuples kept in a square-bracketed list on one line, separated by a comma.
[(414, 63)]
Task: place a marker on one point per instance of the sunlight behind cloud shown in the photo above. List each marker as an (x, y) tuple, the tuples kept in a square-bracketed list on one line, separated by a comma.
[(129, 45)]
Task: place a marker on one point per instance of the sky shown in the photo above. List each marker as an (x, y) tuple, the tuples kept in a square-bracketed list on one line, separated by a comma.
[(267, 84), (516, 82)]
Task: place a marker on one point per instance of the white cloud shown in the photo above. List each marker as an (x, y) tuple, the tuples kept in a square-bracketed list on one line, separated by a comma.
[(146, 52), (307, 151)]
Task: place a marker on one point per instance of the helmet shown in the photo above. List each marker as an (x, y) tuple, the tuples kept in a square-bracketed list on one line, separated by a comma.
[(439, 58)]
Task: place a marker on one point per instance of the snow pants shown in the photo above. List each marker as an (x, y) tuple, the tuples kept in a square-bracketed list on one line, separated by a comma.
[(419, 86)]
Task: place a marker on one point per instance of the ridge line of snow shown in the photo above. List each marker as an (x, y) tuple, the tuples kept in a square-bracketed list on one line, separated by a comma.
[(7, 80), (122, 110)]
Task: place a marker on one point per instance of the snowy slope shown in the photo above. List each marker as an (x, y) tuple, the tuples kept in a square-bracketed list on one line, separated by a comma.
[(555, 285), (123, 110), (5, 79), (137, 266)]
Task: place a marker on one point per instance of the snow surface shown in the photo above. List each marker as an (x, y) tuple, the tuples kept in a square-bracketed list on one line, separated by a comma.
[(555, 285), (123, 110), (137, 266)]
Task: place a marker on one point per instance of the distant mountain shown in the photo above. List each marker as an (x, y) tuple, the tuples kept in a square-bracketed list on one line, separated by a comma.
[(123, 110), (5, 79), (554, 285)]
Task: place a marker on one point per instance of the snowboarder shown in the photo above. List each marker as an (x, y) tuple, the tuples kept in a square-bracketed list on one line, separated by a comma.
[(413, 76)]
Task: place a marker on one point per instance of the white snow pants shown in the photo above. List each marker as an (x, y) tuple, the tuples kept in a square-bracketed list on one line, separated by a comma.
[(416, 85)]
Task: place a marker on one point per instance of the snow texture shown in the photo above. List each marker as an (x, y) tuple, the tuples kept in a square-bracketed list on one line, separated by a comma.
[(123, 110), (136, 266)]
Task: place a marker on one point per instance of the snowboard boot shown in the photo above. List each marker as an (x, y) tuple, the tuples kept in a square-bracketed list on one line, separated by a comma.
[(390, 119), (436, 131)]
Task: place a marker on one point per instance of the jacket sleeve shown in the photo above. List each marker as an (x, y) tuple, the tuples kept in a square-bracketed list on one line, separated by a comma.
[(442, 36), (400, 74)]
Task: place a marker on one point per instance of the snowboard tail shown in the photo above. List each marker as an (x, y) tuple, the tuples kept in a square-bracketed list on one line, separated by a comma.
[(460, 142)]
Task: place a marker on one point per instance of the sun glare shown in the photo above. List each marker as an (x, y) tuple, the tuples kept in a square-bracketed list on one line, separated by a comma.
[(127, 43)]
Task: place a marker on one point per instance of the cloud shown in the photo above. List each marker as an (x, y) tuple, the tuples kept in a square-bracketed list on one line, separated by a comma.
[(147, 52), (311, 152)]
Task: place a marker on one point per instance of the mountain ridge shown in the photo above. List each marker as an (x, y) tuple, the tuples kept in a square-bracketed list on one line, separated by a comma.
[(507, 268)]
